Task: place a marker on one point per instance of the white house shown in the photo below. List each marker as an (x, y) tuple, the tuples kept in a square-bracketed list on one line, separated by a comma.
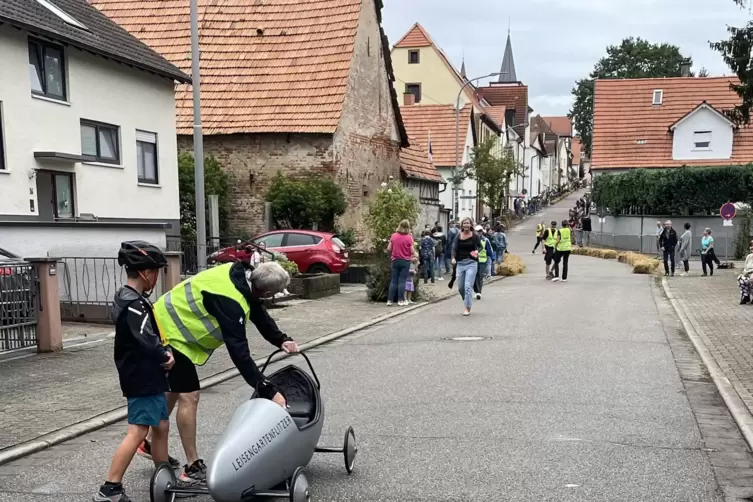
[(666, 123), (87, 133)]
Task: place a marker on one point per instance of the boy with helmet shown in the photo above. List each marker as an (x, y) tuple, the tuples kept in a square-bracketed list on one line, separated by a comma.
[(142, 362)]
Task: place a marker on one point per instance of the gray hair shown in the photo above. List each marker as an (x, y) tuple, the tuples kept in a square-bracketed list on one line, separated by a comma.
[(268, 277)]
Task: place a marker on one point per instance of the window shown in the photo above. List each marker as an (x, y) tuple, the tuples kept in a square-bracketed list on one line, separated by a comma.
[(2, 139), (271, 240), (413, 57), (63, 193), (60, 13), (300, 240), (702, 140), (414, 89), (47, 69), (99, 142), (658, 96), (146, 157)]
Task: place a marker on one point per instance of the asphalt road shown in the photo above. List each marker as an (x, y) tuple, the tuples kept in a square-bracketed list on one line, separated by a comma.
[(572, 395)]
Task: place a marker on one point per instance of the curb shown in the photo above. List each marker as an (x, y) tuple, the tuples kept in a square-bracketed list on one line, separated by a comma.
[(737, 408), (103, 420)]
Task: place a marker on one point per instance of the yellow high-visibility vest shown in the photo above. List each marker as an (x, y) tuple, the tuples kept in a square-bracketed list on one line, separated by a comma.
[(184, 322), (539, 229), (566, 243), (551, 239)]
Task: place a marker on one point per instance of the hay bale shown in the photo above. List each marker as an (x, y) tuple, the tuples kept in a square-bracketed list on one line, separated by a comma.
[(645, 266), (513, 265), (609, 254)]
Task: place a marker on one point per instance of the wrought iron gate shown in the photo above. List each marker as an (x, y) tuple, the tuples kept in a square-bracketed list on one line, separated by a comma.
[(19, 294)]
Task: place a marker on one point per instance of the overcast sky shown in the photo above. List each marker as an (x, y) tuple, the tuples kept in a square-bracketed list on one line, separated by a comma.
[(556, 42)]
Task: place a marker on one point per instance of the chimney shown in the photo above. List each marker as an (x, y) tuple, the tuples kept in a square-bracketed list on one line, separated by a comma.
[(685, 68), (409, 99)]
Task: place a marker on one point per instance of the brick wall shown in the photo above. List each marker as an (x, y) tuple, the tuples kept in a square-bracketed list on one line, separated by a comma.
[(262, 155)]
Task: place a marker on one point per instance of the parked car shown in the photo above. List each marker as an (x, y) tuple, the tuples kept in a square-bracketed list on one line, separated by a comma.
[(313, 252)]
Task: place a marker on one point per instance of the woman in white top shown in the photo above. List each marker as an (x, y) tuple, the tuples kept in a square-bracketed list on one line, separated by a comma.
[(745, 279)]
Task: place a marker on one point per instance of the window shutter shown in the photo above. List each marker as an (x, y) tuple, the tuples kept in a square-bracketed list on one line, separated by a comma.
[(146, 137)]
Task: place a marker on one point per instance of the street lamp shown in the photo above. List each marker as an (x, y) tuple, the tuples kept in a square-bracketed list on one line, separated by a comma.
[(457, 139)]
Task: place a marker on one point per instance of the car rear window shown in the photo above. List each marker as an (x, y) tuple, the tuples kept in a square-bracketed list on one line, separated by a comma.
[(338, 242), (300, 240)]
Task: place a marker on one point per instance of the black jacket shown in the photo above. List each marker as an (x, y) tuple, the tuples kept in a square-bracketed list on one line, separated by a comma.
[(229, 315), (668, 238), (139, 353)]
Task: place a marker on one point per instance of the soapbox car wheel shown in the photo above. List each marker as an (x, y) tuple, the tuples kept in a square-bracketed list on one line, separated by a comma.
[(162, 480), (350, 449), (299, 487)]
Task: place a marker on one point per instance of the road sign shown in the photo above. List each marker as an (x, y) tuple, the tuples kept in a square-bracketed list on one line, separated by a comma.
[(728, 211), (727, 223)]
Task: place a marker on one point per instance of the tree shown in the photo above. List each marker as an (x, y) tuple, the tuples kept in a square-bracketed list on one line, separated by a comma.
[(736, 52), (491, 172), (305, 202), (216, 182), (633, 58)]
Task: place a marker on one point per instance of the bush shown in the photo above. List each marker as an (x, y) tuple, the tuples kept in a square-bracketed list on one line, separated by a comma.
[(513, 265), (742, 237), (348, 236), (686, 191), (290, 267), (305, 202), (216, 182)]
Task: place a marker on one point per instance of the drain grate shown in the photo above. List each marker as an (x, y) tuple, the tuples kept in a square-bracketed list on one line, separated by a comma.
[(467, 338)]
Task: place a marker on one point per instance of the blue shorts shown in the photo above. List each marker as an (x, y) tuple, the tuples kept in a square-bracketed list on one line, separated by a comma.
[(147, 410)]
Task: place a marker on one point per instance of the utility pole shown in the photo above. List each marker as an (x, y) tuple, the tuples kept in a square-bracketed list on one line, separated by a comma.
[(198, 142)]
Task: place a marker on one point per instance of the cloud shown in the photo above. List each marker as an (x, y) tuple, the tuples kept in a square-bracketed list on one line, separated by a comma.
[(555, 42)]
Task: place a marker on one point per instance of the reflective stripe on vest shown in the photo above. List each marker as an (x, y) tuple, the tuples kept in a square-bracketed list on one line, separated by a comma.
[(566, 243), (539, 229), (482, 254), (183, 320), (551, 239)]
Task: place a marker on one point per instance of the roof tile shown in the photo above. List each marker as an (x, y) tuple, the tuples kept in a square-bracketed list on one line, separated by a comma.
[(415, 163), (416, 37), (439, 121), (624, 114), (512, 96), (562, 126)]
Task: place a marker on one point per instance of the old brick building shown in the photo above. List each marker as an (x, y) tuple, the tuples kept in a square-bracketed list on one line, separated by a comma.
[(299, 87)]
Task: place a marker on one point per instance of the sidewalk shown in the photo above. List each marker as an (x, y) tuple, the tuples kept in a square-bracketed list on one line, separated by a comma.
[(711, 306), (44, 393)]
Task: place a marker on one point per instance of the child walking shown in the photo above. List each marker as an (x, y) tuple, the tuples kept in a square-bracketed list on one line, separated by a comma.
[(409, 286), (142, 362)]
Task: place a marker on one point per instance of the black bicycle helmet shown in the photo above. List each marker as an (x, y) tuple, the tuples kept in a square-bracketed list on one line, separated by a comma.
[(140, 255)]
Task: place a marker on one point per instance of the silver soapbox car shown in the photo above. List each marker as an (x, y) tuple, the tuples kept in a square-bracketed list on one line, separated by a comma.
[(264, 448)]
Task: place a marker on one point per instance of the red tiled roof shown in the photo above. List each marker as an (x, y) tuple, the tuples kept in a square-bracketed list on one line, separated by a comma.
[(575, 147), (496, 113), (415, 163), (562, 126), (512, 96), (440, 120), (416, 37), (271, 66), (624, 114)]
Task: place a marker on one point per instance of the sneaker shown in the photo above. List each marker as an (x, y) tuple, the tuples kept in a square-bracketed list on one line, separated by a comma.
[(145, 450), (478, 296), (194, 475), (389, 304), (440, 278), (111, 493), (402, 304), (564, 280), (555, 279)]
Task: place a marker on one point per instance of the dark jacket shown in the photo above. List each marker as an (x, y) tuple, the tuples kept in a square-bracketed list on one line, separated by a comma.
[(668, 238), (139, 353), (229, 315)]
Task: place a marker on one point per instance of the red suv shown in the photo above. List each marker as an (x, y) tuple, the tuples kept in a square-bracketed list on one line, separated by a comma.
[(313, 252)]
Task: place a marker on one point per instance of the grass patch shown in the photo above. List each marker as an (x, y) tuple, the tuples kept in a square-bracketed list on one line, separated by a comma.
[(513, 265)]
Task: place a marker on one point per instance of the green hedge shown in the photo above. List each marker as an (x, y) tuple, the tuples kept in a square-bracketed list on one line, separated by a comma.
[(683, 190)]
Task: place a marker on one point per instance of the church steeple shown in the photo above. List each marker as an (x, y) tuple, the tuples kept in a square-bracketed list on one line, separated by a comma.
[(507, 73), (462, 70)]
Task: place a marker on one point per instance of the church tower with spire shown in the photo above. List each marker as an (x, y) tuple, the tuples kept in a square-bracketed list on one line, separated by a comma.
[(507, 72)]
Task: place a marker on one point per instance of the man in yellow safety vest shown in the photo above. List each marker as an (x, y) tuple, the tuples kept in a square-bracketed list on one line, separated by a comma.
[(562, 253), (200, 315), (549, 237), (539, 235)]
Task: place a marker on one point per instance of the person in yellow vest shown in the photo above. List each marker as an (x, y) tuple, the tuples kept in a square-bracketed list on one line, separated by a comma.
[(564, 246), (484, 260), (549, 238), (539, 235), (200, 315)]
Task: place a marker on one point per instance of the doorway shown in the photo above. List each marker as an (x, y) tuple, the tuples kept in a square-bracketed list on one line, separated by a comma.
[(55, 195)]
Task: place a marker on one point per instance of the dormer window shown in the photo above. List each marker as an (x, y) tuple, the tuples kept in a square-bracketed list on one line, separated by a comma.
[(702, 140), (658, 96)]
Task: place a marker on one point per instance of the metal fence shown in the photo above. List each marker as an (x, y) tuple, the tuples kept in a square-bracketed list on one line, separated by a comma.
[(649, 244), (88, 286), (189, 261), (19, 296)]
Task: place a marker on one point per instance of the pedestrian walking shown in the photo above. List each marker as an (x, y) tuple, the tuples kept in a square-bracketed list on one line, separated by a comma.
[(427, 250), (549, 238), (668, 244), (562, 253), (659, 231), (686, 241), (707, 252), (501, 239), (539, 235), (401, 254), (465, 257), (484, 256), (745, 280), (142, 361), (441, 243)]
